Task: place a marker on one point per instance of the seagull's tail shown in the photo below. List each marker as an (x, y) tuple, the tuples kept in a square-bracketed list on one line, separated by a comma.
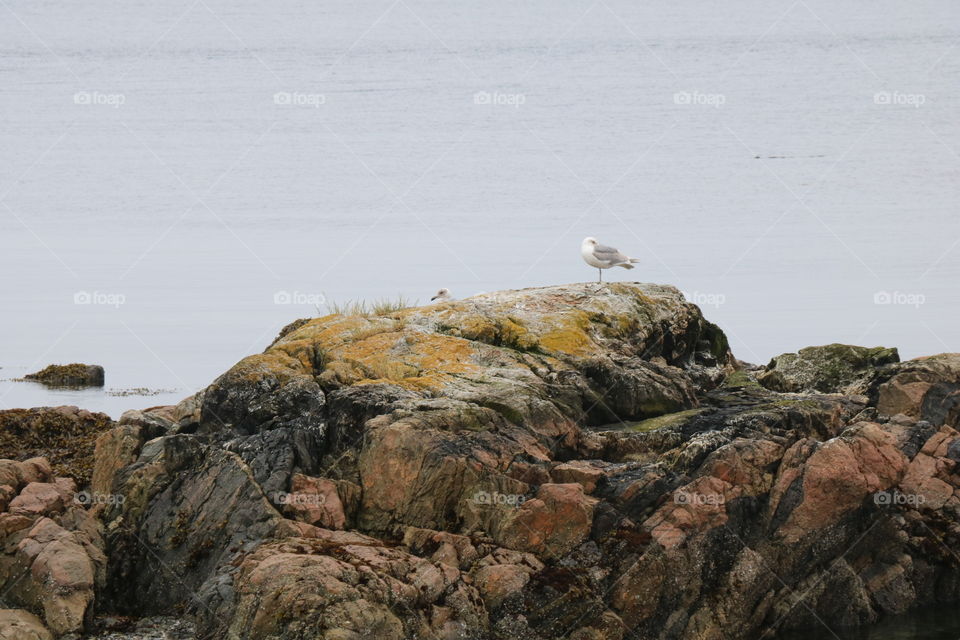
[(634, 259), (626, 265)]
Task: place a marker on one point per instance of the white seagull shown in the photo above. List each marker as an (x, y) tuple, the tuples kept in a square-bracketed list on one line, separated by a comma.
[(604, 257), (443, 295)]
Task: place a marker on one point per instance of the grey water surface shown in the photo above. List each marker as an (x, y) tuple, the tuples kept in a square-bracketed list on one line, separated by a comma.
[(178, 180)]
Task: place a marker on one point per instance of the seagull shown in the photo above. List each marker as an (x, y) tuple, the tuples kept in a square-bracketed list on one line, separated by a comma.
[(603, 257), (442, 295)]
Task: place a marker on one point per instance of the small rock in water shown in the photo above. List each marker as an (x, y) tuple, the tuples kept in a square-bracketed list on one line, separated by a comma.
[(69, 375)]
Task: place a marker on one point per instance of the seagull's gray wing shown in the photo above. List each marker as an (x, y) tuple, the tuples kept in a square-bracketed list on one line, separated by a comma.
[(609, 254)]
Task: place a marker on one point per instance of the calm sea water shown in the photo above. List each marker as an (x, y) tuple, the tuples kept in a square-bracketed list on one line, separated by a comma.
[(178, 180)]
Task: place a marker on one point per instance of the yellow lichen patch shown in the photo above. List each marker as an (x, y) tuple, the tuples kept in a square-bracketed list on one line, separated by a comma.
[(411, 359), (373, 346), (433, 353), (569, 335), (515, 335), (479, 328), (322, 334), (506, 332), (278, 364), (344, 373)]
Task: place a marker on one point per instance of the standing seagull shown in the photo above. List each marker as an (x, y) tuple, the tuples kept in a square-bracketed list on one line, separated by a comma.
[(603, 257)]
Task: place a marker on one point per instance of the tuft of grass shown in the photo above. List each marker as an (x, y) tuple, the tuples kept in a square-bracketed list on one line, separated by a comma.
[(387, 306), (382, 307)]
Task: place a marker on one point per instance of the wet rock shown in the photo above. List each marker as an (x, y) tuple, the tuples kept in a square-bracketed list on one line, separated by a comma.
[(69, 375), (149, 628), (827, 369)]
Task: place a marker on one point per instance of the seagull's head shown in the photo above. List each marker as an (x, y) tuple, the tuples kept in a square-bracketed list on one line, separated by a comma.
[(589, 242), (443, 294)]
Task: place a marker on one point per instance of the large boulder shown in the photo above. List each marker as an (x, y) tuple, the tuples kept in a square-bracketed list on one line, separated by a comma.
[(925, 388), (393, 421), (828, 369), (577, 462)]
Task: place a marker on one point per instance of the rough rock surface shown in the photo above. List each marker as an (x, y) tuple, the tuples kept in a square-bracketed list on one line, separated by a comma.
[(51, 551), (17, 624), (925, 388), (578, 462), (828, 369), (69, 375)]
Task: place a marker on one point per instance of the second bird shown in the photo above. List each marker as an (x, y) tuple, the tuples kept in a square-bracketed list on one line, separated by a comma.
[(604, 257)]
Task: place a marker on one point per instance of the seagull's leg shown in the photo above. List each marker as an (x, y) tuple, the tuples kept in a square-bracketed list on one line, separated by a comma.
[(600, 275)]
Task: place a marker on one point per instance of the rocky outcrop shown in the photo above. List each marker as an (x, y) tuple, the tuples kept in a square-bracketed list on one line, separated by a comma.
[(63, 435), (579, 462), (828, 369), (69, 375), (924, 388), (51, 551)]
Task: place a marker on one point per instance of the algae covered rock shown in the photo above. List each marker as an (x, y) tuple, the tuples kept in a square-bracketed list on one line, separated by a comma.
[(827, 369), (66, 436), (69, 375)]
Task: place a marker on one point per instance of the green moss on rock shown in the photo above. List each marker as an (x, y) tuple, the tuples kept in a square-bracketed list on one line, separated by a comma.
[(668, 420), (830, 368), (739, 379)]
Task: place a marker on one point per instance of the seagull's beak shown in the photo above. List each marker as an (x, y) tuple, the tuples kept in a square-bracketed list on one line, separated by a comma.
[(434, 298)]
